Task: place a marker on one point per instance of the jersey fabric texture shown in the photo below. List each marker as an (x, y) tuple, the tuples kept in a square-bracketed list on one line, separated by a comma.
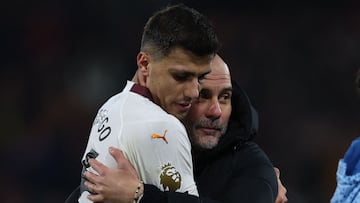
[(154, 141), (236, 170), (348, 176)]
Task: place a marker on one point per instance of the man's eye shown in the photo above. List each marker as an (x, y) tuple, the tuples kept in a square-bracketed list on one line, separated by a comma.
[(225, 98), (180, 78), (204, 94)]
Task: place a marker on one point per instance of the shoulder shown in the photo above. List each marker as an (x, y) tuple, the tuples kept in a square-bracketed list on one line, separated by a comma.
[(252, 153), (153, 126), (252, 161), (252, 158)]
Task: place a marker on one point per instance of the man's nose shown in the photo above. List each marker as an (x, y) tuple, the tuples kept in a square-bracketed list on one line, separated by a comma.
[(214, 111), (192, 89)]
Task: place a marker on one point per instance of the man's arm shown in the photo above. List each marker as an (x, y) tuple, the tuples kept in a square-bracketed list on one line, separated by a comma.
[(119, 185)]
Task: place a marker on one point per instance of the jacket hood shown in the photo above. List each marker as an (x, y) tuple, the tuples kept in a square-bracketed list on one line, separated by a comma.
[(244, 119)]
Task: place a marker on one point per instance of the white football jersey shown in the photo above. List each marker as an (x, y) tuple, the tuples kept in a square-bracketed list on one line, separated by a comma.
[(154, 141)]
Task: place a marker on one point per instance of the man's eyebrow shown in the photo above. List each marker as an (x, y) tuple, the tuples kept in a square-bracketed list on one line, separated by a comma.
[(227, 89), (183, 72)]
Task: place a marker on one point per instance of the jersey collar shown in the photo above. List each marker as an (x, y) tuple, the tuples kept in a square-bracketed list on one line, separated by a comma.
[(144, 91)]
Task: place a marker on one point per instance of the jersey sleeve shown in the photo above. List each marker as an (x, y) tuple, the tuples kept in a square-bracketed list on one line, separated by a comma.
[(160, 151)]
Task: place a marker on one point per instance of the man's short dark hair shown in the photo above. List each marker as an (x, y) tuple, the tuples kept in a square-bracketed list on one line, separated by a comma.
[(179, 26)]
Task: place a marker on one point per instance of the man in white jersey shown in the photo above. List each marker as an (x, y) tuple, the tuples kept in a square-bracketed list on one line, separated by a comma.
[(177, 47)]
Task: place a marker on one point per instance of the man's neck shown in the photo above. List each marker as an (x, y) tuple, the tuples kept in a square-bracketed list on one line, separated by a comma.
[(138, 79)]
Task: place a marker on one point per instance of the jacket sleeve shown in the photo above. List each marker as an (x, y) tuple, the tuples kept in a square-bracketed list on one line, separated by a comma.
[(247, 189), (153, 194), (243, 192)]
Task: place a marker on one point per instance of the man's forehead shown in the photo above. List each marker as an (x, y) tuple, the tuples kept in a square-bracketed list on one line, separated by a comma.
[(216, 76), (212, 76), (217, 81), (220, 73)]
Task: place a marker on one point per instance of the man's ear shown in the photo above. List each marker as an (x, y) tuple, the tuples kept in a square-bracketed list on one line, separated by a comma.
[(143, 63), (142, 73)]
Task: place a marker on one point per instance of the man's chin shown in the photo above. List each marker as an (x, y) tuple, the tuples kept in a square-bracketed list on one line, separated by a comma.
[(208, 143)]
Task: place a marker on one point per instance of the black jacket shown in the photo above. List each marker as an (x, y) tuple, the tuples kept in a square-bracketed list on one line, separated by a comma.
[(237, 170)]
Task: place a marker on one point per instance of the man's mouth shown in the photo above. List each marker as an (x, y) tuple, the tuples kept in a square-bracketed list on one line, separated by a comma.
[(208, 130), (184, 106)]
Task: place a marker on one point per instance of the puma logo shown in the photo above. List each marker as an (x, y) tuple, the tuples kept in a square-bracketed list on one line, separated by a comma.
[(157, 136)]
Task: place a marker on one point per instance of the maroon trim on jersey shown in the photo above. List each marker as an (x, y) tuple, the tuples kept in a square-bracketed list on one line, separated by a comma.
[(144, 91)]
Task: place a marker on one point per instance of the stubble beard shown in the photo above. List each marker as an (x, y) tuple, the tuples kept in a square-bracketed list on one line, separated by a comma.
[(207, 141)]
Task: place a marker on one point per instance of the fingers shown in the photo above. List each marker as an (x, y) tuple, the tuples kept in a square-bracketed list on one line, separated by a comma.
[(96, 198), (90, 187), (281, 198), (122, 162), (282, 187), (98, 166), (93, 188), (285, 199), (93, 184), (118, 156), (277, 171), (91, 177)]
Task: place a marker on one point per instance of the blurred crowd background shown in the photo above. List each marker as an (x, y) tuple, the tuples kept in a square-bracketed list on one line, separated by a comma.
[(61, 59)]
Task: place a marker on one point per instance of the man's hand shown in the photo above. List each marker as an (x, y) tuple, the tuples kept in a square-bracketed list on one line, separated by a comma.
[(281, 197), (112, 185)]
